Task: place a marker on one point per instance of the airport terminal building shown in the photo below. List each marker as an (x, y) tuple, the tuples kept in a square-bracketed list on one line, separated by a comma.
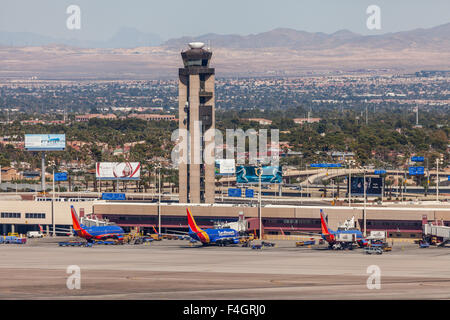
[(400, 221)]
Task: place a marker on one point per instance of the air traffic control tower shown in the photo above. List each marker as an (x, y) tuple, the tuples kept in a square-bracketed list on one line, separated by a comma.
[(196, 115)]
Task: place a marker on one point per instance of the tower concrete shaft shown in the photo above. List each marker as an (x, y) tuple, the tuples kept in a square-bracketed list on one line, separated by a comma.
[(196, 106)]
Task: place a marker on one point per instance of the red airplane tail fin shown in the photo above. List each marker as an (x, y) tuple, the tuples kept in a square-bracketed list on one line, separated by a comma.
[(323, 223), (75, 222), (192, 225)]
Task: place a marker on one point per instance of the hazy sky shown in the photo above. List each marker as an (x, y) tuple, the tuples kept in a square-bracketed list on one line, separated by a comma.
[(100, 19)]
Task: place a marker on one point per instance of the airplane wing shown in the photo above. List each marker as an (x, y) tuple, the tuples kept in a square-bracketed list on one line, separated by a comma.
[(175, 231), (307, 234)]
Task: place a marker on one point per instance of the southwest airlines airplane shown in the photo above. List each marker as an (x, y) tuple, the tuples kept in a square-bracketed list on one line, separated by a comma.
[(221, 237), (95, 232), (330, 235)]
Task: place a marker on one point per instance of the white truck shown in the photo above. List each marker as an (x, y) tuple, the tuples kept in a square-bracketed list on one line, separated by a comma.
[(34, 234)]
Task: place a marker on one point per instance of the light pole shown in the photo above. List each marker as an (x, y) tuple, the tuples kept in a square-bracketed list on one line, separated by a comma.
[(350, 185), (307, 181), (259, 173), (437, 179), (364, 179), (53, 208), (159, 197)]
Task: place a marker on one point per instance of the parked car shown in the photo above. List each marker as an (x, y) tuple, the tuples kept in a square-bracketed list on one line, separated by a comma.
[(373, 250), (34, 234)]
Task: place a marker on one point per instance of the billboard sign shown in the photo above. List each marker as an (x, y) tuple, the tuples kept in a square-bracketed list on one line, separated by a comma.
[(118, 170), (248, 174), (225, 167), (45, 142), (234, 192), (60, 176), (374, 186), (414, 171)]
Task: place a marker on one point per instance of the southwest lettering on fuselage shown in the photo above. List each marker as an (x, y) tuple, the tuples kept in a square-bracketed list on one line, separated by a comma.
[(211, 236), (330, 235), (95, 232)]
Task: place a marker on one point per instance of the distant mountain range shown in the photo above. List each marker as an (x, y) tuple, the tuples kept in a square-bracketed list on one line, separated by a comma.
[(436, 37), (124, 38)]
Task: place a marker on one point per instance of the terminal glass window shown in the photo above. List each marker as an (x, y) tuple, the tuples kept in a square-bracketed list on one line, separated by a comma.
[(35, 215), (10, 214)]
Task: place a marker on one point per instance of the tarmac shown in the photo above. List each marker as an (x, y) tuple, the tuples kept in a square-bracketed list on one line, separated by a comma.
[(174, 269)]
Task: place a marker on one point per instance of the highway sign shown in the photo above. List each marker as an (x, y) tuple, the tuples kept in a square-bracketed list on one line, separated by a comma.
[(60, 176), (113, 196), (414, 171), (249, 193), (234, 192), (417, 159), (380, 171)]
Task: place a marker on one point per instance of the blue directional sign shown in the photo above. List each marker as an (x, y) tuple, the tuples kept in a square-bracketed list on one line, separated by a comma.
[(60, 176), (448, 178), (414, 171), (380, 171), (234, 192), (417, 159), (113, 196), (325, 165), (249, 193)]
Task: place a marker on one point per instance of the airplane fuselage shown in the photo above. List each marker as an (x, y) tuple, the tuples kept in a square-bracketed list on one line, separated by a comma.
[(215, 236), (102, 232)]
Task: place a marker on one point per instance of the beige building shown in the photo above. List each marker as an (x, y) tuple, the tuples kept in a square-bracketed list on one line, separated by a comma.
[(196, 115), (152, 117), (87, 117), (261, 121), (27, 215), (306, 120)]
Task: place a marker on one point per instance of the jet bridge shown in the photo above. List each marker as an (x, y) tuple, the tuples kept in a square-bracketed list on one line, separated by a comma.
[(437, 230)]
